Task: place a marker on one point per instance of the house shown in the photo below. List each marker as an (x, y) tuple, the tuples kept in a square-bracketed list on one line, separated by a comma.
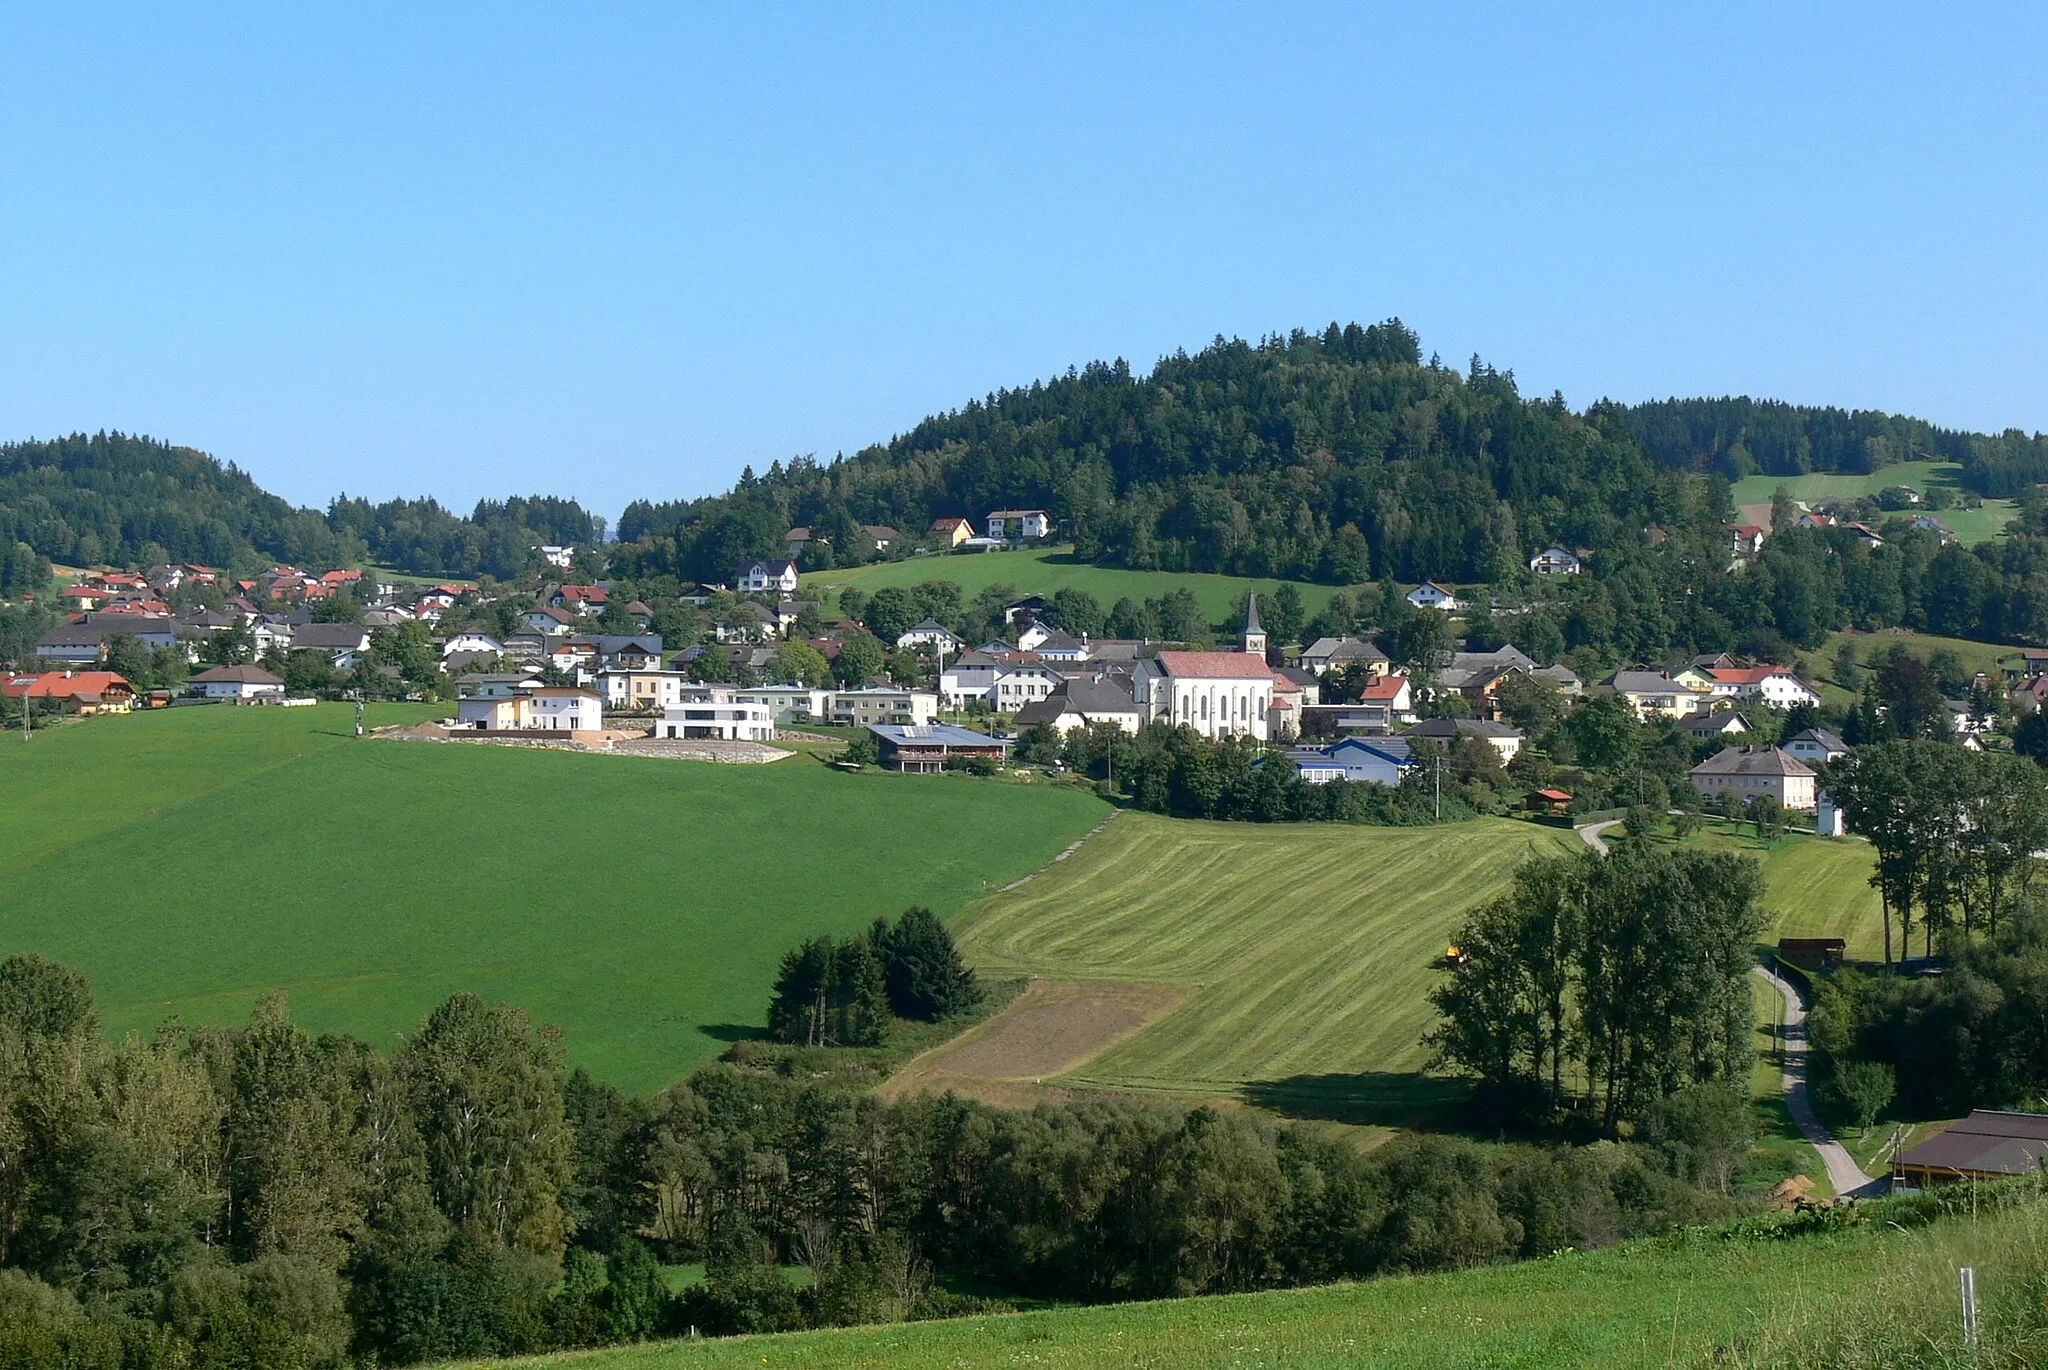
[(471, 642), (236, 682), (641, 688), (1555, 803), (1774, 685), (1816, 745), (951, 532), (573, 654), (1218, 694), (796, 540), (1381, 761), (971, 676), (343, 643), (1556, 561), (1718, 723), (924, 750), (766, 577), (1746, 539), (1430, 595), (1927, 523), (1987, 1145), (557, 556), (547, 620), (637, 653), (881, 534), (1750, 772), (83, 692), (496, 684), (931, 634), (1082, 703), (1563, 677), (581, 600), (1052, 644), (1866, 533), (1024, 678), (1479, 675), (717, 714), (1327, 653), (1504, 740), (565, 708), (1657, 695), (84, 596), (1019, 525), (788, 703), (1027, 609), (874, 704)]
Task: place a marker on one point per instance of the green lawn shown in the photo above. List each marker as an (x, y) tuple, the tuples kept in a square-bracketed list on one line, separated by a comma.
[(191, 859), (1045, 571), (1308, 947), (1969, 525), (1660, 1303)]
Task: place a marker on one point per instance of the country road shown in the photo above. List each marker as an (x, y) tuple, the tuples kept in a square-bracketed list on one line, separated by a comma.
[(1591, 834), (1843, 1172)]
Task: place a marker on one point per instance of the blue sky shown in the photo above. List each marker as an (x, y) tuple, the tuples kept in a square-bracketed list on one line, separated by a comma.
[(618, 252)]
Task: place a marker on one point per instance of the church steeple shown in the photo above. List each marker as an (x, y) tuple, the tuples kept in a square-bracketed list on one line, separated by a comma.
[(1253, 639)]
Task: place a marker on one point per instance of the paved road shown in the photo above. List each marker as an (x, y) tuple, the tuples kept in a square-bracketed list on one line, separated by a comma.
[(1843, 1172), (1591, 834)]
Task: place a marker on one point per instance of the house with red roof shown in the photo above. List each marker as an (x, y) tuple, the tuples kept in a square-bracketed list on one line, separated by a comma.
[(1773, 685), (82, 692)]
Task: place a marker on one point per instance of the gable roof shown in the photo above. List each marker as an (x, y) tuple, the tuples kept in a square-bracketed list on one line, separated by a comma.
[(236, 675), (1384, 690), (1345, 648), (1766, 761), (64, 684), (331, 637), (1831, 741), (1216, 665), (1460, 727)]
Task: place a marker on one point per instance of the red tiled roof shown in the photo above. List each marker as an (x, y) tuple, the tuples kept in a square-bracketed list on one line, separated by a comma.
[(1745, 675), (1215, 665), (64, 684), (1386, 689)]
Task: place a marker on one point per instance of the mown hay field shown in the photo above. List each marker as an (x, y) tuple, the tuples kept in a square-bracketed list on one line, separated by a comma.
[(1307, 951), (192, 859)]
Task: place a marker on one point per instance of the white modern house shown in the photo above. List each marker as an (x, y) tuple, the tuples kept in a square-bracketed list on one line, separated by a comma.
[(883, 704), (644, 689), (565, 708), (765, 577), (717, 715), (1556, 561)]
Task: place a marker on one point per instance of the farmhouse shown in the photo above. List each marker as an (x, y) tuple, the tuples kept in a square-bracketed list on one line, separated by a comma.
[(924, 750), (1719, 723), (1987, 1145), (236, 682), (1753, 772), (1430, 595), (83, 692), (1019, 525)]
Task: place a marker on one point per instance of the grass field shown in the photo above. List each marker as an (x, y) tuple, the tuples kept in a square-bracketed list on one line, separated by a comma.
[(1674, 1302), (1045, 571), (1969, 525), (1814, 887), (1307, 950), (191, 859)]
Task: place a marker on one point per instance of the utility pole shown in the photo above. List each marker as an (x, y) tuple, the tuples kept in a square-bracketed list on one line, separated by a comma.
[(359, 713), (1437, 771), (28, 714)]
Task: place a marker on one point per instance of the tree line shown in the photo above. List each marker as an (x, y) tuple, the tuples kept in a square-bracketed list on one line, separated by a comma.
[(215, 1197)]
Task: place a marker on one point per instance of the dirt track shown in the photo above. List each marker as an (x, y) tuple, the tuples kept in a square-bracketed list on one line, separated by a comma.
[(1053, 1027)]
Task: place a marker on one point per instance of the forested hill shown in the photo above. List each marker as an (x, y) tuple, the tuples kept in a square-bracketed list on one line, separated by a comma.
[(136, 501), (1340, 456)]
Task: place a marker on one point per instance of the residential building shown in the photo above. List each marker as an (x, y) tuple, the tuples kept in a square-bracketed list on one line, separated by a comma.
[(496, 684), (1556, 561), (1051, 644), (1430, 595), (1328, 653), (471, 642), (1750, 772), (1356, 760), (236, 682), (1447, 731), (1563, 677), (766, 577), (1746, 539), (881, 535), (343, 643), (882, 704), (547, 620), (83, 692), (788, 703), (925, 749), (796, 540), (1718, 723), (718, 715), (1656, 695), (1024, 678), (642, 690), (565, 708), (972, 675), (951, 532), (1815, 746), (931, 634), (1773, 685), (1082, 703), (1019, 525)]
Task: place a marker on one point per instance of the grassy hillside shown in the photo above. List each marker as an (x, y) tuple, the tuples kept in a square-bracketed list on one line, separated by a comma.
[(1675, 1302), (1970, 525), (1308, 950), (1814, 887), (190, 860), (1044, 571)]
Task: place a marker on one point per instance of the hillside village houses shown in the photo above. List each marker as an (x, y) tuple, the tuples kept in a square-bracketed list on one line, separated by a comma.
[(1430, 595), (1752, 772), (1018, 525), (948, 533), (1556, 561)]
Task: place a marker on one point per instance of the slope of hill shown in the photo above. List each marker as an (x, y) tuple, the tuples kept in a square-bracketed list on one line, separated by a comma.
[(190, 860), (1872, 1295)]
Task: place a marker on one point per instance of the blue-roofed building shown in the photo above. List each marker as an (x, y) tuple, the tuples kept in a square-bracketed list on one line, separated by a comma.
[(1358, 760)]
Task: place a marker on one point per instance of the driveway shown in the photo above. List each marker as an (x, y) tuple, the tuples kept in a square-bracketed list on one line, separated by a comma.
[(1843, 1172)]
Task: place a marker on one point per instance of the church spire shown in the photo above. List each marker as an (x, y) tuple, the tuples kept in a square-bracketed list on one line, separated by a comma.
[(1253, 640)]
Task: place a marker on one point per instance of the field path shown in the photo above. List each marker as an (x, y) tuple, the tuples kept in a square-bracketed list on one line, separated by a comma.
[(1843, 1172), (1053, 1027)]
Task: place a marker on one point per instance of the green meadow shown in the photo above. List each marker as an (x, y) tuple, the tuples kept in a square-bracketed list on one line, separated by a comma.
[(1969, 525), (192, 859), (1047, 570)]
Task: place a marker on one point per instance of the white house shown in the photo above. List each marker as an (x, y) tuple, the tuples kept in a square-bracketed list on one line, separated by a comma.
[(766, 576), (1019, 525), (1082, 703), (1750, 772), (558, 556), (642, 689), (1218, 694), (718, 715), (1816, 745), (788, 703), (236, 682), (972, 675), (1326, 653), (471, 642), (1023, 681), (1773, 685), (882, 704), (930, 633), (565, 708), (1430, 595), (1052, 644), (1380, 761), (1556, 561), (1505, 741)]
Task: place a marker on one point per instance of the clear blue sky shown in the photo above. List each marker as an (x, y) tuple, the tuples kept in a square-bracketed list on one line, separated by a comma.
[(617, 252)]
